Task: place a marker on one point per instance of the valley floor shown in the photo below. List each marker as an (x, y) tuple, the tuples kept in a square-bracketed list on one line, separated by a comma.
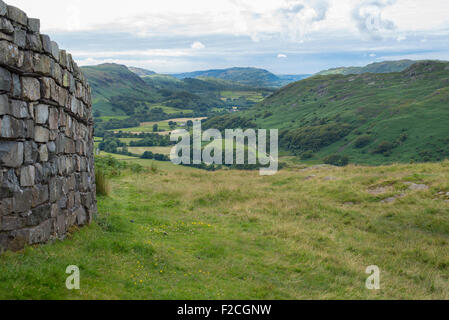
[(181, 233)]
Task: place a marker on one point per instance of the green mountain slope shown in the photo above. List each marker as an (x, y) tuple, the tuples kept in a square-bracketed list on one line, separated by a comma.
[(141, 72), (370, 118), (118, 91), (378, 67), (247, 76)]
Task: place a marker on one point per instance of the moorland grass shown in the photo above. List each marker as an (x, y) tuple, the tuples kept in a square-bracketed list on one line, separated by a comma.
[(305, 233)]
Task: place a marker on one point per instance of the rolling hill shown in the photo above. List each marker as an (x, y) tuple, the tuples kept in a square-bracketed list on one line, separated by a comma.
[(369, 118), (378, 67), (141, 72), (247, 76), (118, 91)]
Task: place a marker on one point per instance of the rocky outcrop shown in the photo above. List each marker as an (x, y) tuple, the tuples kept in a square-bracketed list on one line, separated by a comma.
[(47, 180)]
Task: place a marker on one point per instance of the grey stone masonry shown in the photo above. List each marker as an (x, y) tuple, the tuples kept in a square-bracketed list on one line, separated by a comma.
[(47, 180)]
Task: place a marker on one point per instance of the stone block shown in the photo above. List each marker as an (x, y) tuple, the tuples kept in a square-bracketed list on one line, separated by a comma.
[(27, 176), (55, 50), (6, 26), (9, 53), (22, 201), (17, 15), (30, 152), (20, 37), (19, 109), (31, 89), (46, 43), (43, 153), (53, 119), (5, 106), (16, 86), (40, 233), (41, 134), (41, 113), (34, 42), (12, 222), (34, 25), (42, 64), (12, 128), (5, 80), (3, 8), (11, 154), (40, 195)]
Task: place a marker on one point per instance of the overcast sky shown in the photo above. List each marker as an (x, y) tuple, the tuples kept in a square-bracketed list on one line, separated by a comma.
[(283, 36)]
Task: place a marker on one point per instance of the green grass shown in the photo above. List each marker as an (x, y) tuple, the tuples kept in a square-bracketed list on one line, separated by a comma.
[(385, 107), (253, 96), (180, 233), (141, 150)]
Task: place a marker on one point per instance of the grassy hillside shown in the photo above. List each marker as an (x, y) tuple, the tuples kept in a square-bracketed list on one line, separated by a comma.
[(378, 67), (170, 233), (118, 91), (141, 72), (247, 76), (370, 118)]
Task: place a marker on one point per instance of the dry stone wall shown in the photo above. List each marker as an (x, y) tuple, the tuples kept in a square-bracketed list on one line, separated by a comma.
[(47, 180)]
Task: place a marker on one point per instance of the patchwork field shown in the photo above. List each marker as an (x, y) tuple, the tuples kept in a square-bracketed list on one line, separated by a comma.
[(249, 95), (141, 150), (173, 232)]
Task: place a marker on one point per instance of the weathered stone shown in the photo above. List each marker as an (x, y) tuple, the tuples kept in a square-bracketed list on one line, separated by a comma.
[(3, 8), (5, 106), (11, 154), (30, 152), (6, 26), (46, 43), (9, 53), (16, 85), (41, 113), (40, 195), (43, 153), (41, 134), (54, 210), (34, 25), (51, 146), (42, 64), (22, 200), (27, 176), (39, 215), (53, 120), (34, 42), (31, 89), (20, 37), (55, 50), (418, 187), (12, 128), (19, 109), (5, 80), (17, 15), (9, 184), (10, 223), (63, 58)]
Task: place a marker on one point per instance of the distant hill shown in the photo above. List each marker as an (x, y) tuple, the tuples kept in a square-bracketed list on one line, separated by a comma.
[(141, 72), (285, 79), (118, 91), (247, 76), (378, 67), (372, 118)]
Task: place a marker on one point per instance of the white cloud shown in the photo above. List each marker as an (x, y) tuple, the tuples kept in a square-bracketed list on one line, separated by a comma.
[(197, 45), (293, 20), (282, 56)]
